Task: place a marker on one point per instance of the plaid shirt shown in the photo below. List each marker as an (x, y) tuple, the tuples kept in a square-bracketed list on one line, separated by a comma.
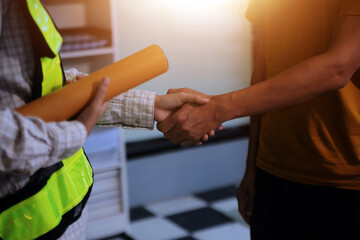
[(28, 143)]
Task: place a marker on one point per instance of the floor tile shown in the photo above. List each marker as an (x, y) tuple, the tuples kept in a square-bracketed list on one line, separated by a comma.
[(218, 194), (225, 205), (139, 213), (177, 205), (186, 238), (121, 236), (156, 229), (233, 231), (199, 219), (229, 207), (235, 215), (116, 238)]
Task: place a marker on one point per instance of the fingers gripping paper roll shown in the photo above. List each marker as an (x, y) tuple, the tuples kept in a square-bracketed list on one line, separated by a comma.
[(125, 74)]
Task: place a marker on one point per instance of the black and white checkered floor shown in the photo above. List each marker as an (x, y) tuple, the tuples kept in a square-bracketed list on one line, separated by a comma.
[(209, 215)]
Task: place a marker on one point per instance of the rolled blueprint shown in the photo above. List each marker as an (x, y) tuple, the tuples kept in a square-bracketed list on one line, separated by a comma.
[(66, 102)]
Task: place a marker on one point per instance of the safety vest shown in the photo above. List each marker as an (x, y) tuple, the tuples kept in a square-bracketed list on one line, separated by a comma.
[(55, 196)]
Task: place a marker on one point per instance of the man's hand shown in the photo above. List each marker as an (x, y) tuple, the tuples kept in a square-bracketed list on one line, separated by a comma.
[(167, 104), (192, 122), (92, 112), (245, 194)]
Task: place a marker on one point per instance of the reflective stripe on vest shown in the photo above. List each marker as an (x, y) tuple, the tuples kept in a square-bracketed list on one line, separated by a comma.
[(67, 187), (43, 211), (51, 67)]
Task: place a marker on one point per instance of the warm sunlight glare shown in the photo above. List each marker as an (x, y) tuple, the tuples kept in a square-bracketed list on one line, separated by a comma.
[(200, 8), (190, 5)]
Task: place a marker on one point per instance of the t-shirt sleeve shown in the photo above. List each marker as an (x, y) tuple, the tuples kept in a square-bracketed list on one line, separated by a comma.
[(350, 7)]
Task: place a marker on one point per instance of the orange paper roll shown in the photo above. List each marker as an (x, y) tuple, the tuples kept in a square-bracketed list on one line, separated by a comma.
[(125, 74)]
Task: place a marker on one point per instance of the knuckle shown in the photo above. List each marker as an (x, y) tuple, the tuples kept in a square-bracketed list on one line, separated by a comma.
[(182, 96), (179, 120)]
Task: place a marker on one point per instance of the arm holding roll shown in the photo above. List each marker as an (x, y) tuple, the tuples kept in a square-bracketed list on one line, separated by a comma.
[(65, 103)]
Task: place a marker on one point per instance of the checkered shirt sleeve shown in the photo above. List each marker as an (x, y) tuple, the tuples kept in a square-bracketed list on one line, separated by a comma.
[(27, 143), (132, 109)]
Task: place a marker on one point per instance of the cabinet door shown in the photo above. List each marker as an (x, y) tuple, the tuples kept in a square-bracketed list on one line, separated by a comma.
[(108, 212)]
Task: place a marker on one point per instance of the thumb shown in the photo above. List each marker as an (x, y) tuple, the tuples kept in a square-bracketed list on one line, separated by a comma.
[(101, 91), (201, 100), (193, 98)]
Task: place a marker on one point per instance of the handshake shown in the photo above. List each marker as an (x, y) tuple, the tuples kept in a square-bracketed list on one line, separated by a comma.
[(187, 117)]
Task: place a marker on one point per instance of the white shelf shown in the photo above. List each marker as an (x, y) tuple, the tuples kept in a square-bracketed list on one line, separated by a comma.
[(87, 53), (108, 206)]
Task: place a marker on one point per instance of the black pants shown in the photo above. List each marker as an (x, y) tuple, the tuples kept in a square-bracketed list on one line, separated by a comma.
[(294, 211)]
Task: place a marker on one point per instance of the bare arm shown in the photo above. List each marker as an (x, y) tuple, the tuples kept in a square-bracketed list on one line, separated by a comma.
[(258, 76), (246, 190), (311, 78)]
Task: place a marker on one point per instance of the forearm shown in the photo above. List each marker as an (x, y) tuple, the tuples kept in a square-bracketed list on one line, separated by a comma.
[(308, 79), (253, 141), (132, 109), (28, 144)]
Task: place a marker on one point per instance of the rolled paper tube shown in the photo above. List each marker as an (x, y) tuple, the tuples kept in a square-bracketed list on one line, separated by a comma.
[(66, 102)]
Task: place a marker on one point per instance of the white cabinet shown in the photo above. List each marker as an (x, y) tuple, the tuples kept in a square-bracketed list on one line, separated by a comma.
[(108, 207), (90, 32), (89, 29)]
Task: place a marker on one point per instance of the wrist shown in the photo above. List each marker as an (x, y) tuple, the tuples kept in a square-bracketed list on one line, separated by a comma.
[(223, 107), (156, 102), (157, 110)]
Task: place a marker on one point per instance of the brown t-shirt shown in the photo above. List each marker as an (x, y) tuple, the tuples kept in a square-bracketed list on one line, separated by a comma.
[(316, 142)]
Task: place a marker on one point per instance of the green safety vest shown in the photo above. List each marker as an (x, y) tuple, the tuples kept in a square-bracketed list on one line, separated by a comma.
[(45, 213)]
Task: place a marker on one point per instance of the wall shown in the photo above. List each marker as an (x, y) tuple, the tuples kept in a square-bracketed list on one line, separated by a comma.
[(178, 173), (207, 43), (208, 46)]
